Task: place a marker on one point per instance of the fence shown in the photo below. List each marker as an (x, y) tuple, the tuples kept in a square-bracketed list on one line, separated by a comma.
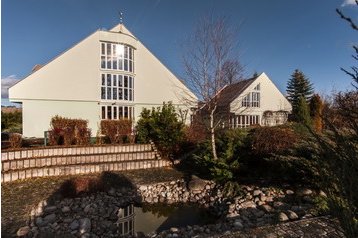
[(54, 161)]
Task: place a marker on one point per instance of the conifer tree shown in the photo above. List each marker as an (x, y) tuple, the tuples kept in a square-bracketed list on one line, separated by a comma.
[(298, 86)]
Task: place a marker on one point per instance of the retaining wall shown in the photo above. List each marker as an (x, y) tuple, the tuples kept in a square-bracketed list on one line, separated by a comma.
[(54, 161)]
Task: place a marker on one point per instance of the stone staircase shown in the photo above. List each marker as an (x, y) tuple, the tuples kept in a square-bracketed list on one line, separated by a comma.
[(56, 161)]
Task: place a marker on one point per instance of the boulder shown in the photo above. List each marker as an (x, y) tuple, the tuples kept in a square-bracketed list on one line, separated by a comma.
[(282, 217), (292, 215), (197, 184), (23, 231)]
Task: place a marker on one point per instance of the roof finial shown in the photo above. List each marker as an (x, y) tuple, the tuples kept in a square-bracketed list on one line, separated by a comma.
[(121, 17)]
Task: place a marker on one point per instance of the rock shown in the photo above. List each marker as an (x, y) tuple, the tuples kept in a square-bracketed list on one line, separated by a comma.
[(66, 209), (39, 221), (23, 231), (262, 197), (50, 209), (238, 225), (282, 217), (308, 199), (87, 208), (85, 225), (74, 225), (267, 208), (292, 215), (322, 194), (280, 205), (248, 204), (257, 192), (290, 192), (258, 213), (50, 218), (197, 183), (304, 192), (174, 230)]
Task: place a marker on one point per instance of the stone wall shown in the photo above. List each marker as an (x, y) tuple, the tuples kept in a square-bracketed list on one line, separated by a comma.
[(54, 161)]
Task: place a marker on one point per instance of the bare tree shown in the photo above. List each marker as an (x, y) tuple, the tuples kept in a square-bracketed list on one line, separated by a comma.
[(209, 65)]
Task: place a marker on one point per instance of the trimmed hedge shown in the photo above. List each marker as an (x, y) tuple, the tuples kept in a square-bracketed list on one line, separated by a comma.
[(67, 131), (117, 130)]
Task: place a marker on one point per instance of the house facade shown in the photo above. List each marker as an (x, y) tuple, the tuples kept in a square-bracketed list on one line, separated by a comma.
[(255, 101), (108, 75)]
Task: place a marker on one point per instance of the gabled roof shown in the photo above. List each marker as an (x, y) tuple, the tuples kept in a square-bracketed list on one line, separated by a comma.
[(230, 92)]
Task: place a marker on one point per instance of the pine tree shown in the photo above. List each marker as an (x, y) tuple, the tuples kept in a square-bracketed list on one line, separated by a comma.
[(316, 107), (303, 112), (298, 86)]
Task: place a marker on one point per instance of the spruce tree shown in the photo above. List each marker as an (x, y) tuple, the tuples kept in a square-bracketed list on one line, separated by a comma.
[(298, 86)]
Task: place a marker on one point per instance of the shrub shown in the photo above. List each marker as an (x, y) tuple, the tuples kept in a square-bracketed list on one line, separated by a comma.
[(162, 126), (115, 130), (66, 131), (272, 140), (15, 140), (303, 112), (316, 108), (11, 121)]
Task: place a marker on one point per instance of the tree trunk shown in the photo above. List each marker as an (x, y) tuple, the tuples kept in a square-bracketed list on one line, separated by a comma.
[(212, 131)]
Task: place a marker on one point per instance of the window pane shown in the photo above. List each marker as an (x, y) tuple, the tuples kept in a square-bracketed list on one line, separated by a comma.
[(125, 94), (130, 53), (126, 52), (126, 227), (109, 112), (125, 65), (120, 64), (125, 112), (103, 93), (130, 95), (114, 49), (103, 112), (103, 50), (120, 80), (109, 81), (108, 49), (120, 51), (130, 112), (130, 66), (103, 80), (120, 112), (114, 80), (114, 112), (109, 93), (130, 82), (114, 63), (114, 93), (126, 81), (120, 94), (109, 63), (103, 62)]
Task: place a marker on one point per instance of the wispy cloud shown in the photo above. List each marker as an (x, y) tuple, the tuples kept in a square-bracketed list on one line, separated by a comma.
[(6, 83), (348, 2)]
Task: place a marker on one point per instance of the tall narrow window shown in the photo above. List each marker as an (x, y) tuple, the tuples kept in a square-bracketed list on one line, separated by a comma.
[(109, 112), (103, 112)]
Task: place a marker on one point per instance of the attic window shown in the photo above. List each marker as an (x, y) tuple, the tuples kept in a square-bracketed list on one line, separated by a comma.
[(257, 88)]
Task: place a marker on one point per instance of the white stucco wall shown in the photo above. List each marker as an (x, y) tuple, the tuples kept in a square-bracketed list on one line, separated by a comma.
[(270, 98), (37, 114)]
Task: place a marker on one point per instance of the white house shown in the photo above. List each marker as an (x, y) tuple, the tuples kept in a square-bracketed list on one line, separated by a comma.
[(255, 101), (108, 75)]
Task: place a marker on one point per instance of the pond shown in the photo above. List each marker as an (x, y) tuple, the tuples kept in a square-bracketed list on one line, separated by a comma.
[(156, 218)]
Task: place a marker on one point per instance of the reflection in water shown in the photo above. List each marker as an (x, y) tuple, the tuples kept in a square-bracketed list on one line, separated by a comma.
[(125, 220), (160, 217)]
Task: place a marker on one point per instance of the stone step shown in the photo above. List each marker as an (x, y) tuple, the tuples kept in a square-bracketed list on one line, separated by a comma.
[(66, 151), (74, 169), (25, 163)]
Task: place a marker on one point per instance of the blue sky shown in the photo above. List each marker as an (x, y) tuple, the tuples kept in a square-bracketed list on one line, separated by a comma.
[(275, 36)]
